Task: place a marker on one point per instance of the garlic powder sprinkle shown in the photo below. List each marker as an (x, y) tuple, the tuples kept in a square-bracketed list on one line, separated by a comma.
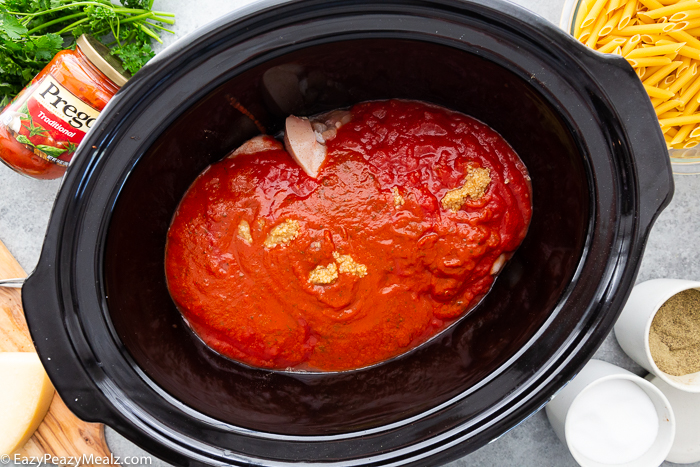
[(323, 275), (398, 199), (349, 266), (244, 232), (282, 234), (474, 187)]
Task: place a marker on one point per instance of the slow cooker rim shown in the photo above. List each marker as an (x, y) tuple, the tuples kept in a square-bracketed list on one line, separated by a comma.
[(63, 203)]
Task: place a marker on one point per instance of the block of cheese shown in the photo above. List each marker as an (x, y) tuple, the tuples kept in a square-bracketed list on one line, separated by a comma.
[(25, 396)]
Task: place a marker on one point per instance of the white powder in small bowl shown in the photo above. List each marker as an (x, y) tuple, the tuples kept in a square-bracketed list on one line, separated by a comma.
[(613, 422)]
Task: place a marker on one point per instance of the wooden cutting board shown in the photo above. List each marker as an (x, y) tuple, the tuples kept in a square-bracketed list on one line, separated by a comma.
[(61, 434)]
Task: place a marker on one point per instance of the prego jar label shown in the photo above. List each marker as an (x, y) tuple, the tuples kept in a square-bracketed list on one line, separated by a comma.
[(50, 120)]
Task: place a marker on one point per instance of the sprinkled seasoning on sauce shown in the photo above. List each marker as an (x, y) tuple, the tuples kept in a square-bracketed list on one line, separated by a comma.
[(354, 274)]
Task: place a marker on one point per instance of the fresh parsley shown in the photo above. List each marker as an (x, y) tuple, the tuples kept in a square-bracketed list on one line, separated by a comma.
[(33, 31), (50, 150)]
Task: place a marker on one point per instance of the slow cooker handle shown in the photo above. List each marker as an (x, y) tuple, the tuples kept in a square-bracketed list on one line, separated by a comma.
[(648, 153), (61, 359)]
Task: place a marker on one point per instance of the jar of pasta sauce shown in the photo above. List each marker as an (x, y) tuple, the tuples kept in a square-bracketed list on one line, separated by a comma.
[(42, 127)]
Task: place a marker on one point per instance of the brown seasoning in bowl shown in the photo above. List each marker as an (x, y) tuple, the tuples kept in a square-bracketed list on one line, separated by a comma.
[(674, 337)]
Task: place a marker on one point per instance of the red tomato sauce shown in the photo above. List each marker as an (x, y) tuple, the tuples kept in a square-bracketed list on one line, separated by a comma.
[(425, 265)]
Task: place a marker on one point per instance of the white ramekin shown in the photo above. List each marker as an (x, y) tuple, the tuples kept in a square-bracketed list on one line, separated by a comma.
[(596, 372), (633, 325), (686, 408)]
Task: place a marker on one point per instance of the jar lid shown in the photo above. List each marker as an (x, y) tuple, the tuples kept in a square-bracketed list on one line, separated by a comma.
[(100, 56)]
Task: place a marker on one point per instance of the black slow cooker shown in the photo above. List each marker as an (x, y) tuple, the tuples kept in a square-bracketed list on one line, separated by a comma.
[(118, 351)]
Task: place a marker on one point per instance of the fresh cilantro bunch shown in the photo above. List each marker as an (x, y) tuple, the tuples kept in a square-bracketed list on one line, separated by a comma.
[(33, 31)]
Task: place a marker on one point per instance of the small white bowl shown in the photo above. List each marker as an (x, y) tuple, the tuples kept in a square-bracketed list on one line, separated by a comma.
[(686, 408), (633, 325), (596, 372)]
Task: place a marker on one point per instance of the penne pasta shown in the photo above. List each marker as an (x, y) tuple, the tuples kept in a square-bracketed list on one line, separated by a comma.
[(684, 66), (662, 73), (593, 38), (582, 12), (657, 92), (684, 78), (611, 23), (609, 38), (612, 45), (683, 36), (682, 134), (689, 24), (653, 69), (646, 29), (687, 88), (651, 4), (690, 52), (631, 44), (643, 19), (649, 61), (627, 12), (650, 38), (657, 50), (660, 39), (668, 42), (691, 91), (684, 15), (683, 120), (670, 113), (684, 131), (671, 9), (692, 106), (666, 106), (612, 6), (594, 13)]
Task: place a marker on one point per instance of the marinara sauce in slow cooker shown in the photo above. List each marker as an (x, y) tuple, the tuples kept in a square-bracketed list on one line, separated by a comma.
[(413, 213)]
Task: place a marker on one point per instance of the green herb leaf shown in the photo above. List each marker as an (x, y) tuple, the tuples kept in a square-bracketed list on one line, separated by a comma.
[(50, 150), (47, 46), (71, 147), (11, 26), (42, 28), (134, 56), (145, 4), (24, 140), (36, 130)]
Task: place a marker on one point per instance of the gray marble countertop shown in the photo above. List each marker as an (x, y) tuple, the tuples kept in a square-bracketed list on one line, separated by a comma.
[(25, 207)]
